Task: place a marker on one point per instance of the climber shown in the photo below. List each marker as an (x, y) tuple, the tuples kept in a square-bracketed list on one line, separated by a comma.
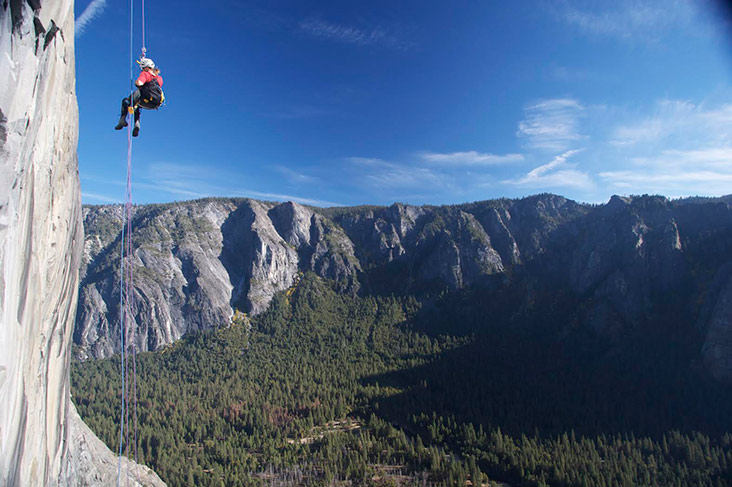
[(148, 95)]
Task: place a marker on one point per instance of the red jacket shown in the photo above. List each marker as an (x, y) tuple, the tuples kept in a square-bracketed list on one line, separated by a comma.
[(147, 76)]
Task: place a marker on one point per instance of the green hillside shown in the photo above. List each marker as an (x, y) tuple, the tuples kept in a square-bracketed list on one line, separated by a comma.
[(330, 389)]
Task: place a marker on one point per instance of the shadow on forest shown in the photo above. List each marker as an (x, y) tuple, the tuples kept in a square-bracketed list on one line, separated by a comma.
[(535, 365), (525, 385), (532, 373)]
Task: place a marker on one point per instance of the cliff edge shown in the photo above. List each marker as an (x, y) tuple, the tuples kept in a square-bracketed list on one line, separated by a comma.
[(42, 441)]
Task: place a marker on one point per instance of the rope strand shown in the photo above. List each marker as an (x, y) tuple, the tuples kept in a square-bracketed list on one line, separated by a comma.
[(144, 51), (127, 323)]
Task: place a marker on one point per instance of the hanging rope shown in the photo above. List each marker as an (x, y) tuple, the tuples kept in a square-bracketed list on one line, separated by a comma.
[(127, 322), (131, 294), (144, 51), (122, 275)]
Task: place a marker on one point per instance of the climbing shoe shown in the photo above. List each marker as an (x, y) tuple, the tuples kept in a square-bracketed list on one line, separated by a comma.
[(136, 129), (122, 123)]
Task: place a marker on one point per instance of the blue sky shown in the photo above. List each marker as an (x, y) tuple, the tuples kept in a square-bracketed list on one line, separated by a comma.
[(423, 102)]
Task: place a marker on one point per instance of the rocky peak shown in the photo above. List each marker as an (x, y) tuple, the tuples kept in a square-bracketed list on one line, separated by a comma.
[(292, 222), (456, 249), (403, 218)]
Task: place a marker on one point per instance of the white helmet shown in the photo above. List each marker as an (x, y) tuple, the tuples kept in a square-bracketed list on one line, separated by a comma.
[(146, 63)]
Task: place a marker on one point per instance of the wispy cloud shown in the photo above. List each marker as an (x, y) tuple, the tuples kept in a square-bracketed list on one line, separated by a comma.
[(200, 181), (714, 158), (99, 198), (556, 174), (295, 177), (386, 174), (677, 173), (469, 158), (287, 197), (677, 120), (92, 11), (552, 124), (348, 34), (628, 20), (695, 183)]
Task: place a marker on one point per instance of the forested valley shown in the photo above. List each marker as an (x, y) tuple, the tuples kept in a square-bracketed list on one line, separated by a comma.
[(327, 388)]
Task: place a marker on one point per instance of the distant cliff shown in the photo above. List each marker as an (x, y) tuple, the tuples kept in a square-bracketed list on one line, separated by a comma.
[(196, 262), (42, 440)]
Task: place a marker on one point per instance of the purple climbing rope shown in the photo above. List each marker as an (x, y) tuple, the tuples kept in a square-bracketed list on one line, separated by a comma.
[(122, 274), (127, 322)]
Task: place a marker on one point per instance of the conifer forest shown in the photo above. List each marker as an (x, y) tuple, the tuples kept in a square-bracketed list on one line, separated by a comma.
[(327, 388)]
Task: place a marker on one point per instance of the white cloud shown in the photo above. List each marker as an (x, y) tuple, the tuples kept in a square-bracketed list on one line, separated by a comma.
[(368, 161), (295, 177), (385, 174), (716, 158), (679, 149), (92, 11), (556, 174), (200, 181), (286, 197), (183, 188), (99, 198), (694, 183), (552, 124), (353, 35), (678, 121), (558, 161), (469, 158), (629, 20), (678, 173)]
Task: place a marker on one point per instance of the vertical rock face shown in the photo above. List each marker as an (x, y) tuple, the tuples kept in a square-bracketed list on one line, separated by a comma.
[(40, 238), (196, 262), (180, 284), (40, 245)]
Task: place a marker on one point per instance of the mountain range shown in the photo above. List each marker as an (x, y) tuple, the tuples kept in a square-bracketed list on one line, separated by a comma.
[(601, 272)]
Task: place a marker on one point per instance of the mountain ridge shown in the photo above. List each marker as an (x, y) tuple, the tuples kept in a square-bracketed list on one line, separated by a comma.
[(201, 260)]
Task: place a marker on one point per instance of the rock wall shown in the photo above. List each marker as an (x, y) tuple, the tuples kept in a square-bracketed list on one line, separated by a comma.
[(40, 246), (196, 262)]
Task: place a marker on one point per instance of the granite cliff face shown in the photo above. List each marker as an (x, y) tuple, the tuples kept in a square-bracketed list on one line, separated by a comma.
[(195, 263), (198, 261), (40, 251)]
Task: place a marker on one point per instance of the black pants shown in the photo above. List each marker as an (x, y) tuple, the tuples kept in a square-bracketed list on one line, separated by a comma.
[(135, 103)]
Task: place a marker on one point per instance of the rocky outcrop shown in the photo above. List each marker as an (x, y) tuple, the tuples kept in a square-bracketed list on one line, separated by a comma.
[(91, 463), (40, 246), (627, 252), (321, 246), (418, 247)]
